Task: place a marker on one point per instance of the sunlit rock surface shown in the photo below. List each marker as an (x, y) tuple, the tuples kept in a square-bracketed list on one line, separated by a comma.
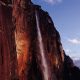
[(30, 45)]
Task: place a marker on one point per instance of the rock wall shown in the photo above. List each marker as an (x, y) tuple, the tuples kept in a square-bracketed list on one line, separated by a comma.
[(8, 60), (20, 55)]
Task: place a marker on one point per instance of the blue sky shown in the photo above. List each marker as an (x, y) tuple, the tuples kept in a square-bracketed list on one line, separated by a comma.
[(66, 17)]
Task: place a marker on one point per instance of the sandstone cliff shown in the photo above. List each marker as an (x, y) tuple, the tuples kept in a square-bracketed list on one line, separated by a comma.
[(30, 45)]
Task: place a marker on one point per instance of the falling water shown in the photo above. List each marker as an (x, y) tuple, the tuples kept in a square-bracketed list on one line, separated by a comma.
[(44, 63)]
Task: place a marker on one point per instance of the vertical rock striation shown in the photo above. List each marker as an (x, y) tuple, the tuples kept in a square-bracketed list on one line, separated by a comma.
[(8, 57)]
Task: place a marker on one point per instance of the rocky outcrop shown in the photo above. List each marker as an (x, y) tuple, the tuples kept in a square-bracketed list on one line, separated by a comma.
[(30, 45), (70, 71)]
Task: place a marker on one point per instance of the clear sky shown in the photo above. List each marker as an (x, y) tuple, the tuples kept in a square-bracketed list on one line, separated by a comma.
[(66, 17)]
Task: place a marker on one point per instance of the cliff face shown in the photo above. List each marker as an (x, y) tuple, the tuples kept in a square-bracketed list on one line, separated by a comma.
[(8, 58), (30, 46)]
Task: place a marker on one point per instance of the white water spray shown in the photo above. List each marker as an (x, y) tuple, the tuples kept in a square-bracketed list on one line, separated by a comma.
[(43, 61)]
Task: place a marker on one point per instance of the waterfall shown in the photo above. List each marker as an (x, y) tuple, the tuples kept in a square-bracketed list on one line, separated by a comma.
[(43, 61)]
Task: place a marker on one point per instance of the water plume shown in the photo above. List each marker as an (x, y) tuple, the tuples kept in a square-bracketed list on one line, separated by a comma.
[(42, 53)]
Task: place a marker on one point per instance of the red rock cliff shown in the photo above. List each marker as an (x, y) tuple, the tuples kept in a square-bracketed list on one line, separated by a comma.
[(30, 46)]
